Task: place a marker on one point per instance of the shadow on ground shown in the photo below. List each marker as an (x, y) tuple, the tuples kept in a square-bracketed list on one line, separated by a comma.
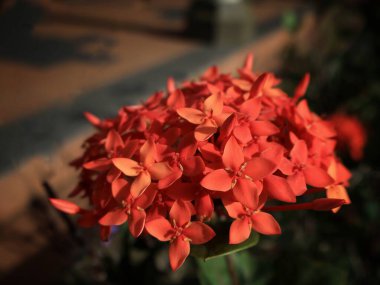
[(19, 43)]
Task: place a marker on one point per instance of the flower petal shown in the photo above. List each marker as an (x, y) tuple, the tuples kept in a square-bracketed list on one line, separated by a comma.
[(114, 218), (337, 192), (120, 189), (128, 166), (265, 224), (112, 174), (251, 107), (136, 222), (141, 182), (317, 177), (199, 233), (242, 134), (65, 206), (301, 87), (160, 228), (286, 166), (322, 130), (274, 152), (299, 152), (176, 100), (101, 164), (217, 180), (258, 85), (233, 156), (179, 250), (148, 152), (193, 165), (214, 103), (297, 183), (246, 192), (180, 213), (258, 168), (204, 131), (170, 179), (159, 170), (192, 115), (233, 208), (263, 128), (240, 231), (146, 199), (204, 206), (113, 141), (279, 189)]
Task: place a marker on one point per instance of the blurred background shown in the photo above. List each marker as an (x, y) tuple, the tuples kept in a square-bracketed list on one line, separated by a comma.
[(59, 58)]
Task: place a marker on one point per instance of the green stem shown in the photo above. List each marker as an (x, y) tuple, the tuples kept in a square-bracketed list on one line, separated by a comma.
[(231, 270)]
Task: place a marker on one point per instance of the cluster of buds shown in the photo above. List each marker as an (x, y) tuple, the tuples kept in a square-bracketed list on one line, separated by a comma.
[(221, 147)]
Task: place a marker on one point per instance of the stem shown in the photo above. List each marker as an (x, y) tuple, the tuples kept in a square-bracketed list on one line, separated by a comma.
[(294, 207), (231, 270)]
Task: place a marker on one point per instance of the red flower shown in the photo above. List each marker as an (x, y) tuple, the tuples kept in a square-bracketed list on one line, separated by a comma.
[(207, 119), (128, 208), (161, 165), (143, 170), (300, 172), (237, 174), (180, 231), (248, 216), (351, 134)]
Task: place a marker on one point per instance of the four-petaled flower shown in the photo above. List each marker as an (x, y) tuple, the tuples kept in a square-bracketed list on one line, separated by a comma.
[(180, 231), (144, 170)]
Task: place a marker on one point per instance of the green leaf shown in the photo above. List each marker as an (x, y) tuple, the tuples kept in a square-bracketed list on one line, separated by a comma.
[(219, 246), (214, 272)]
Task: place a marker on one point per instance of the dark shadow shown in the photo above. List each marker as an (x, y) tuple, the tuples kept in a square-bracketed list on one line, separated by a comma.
[(114, 25), (18, 43), (49, 263)]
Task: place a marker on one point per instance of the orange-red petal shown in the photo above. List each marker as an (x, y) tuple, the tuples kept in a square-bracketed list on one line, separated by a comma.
[(199, 233), (101, 164), (160, 228), (317, 177), (246, 192), (214, 103), (128, 166), (233, 156), (205, 130), (141, 182), (136, 222), (148, 153), (265, 224), (257, 168), (193, 165), (179, 250), (217, 180), (180, 213), (192, 115), (114, 218), (65, 206), (120, 189), (279, 189), (240, 231), (113, 141), (299, 152)]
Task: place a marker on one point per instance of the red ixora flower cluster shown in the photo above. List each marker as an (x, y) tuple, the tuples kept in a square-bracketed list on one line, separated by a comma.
[(221, 146)]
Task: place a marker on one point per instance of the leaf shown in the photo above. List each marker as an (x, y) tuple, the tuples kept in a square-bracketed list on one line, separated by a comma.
[(219, 246), (214, 272)]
